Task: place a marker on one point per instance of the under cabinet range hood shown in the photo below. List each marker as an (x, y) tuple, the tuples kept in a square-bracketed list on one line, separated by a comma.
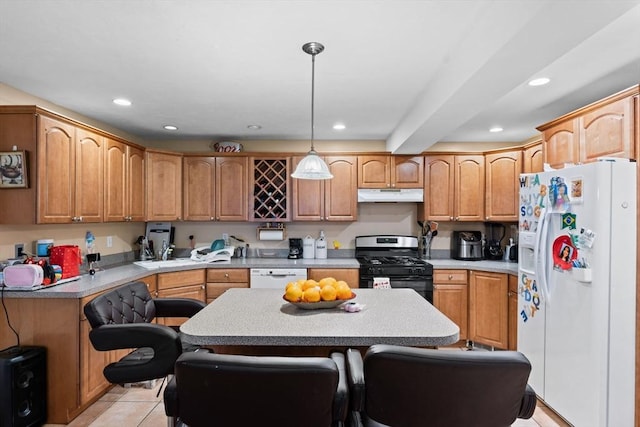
[(390, 195)]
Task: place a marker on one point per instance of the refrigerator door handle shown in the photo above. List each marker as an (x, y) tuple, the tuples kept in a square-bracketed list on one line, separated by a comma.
[(540, 254)]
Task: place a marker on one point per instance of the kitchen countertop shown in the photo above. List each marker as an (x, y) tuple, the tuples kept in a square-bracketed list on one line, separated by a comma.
[(260, 317), (116, 276)]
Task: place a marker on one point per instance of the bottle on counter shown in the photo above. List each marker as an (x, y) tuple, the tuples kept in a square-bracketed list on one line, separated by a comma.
[(321, 246)]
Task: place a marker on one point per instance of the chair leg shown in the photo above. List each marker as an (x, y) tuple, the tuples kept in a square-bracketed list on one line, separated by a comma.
[(171, 421)]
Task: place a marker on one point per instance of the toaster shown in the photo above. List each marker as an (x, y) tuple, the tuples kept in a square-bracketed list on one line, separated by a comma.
[(466, 245), (23, 275)]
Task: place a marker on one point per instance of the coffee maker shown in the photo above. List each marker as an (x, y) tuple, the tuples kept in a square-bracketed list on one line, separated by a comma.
[(295, 248)]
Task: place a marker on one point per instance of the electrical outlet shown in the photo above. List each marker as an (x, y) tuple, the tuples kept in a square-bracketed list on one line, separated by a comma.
[(19, 250), (109, 241)]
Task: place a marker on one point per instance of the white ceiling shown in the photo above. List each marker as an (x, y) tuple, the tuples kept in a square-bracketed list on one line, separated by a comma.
[(409, 72)]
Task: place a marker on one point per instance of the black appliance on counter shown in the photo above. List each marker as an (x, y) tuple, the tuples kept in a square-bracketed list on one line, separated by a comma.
[(493, 247), (295, 248), (466, 245), (396, 258)]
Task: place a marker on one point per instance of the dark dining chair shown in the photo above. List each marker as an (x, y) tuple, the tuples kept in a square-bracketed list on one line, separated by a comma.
[(234, 390), (124, 319), (406, 387)]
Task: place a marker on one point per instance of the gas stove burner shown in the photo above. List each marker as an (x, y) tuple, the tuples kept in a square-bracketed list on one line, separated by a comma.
[(391, 260)]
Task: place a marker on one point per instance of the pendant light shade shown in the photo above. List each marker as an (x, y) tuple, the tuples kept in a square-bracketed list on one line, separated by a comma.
[(312, 166)]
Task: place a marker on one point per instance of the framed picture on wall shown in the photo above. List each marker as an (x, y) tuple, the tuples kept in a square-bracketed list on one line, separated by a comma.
[(13, 169)]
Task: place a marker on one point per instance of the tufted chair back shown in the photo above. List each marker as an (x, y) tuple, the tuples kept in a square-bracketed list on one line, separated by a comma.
[(128, 304)]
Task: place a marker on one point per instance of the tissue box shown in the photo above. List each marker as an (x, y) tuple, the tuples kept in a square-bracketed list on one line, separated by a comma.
[(23, 276)]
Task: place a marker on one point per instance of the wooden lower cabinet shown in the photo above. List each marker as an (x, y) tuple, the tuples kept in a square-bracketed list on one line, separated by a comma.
[(451, 297), (349, 275), (221, 279), (488, 308), (92, 382), (181, 284), (513, 313)]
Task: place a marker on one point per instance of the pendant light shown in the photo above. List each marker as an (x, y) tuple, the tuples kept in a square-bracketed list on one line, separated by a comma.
[(312, 166)]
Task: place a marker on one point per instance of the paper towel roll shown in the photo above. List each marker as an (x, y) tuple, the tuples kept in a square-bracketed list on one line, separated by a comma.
[(271, 234)]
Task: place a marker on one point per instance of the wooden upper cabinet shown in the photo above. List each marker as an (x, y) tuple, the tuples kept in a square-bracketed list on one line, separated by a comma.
[(533, 158), (327, 200), (232, 189), (454, 188), (606, 128), (198, 183), (70, 173), (561, 144), (469, 188), (502, 185), (439, 194), (163, 186), (124, 182), (387, 171), (608, 131)]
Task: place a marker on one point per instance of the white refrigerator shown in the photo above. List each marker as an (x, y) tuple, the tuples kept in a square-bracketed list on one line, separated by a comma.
[(577, 290)]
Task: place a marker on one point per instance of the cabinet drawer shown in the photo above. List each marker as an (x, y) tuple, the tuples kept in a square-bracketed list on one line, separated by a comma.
[(230, 275), (450, 276), (180, 279), (214, 290)]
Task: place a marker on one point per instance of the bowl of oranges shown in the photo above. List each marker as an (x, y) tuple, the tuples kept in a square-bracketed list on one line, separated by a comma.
[(310, 294)]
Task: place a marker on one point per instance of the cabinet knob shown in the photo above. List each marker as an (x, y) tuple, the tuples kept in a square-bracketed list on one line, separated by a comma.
[(212, 218), (457, 218), (451, 218), (450, 277), (487, 218), (201, 286), (226, 275)]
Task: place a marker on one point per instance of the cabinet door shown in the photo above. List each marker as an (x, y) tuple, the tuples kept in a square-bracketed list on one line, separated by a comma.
[(561, 144), (502, 185), (115, 181), (341, 192), (136, 179), (89, 177), (513, 313), (488, 308), (439, 176), (56, 171), (533, 159), (608, 131), (308, 196), (199, 188), (469, 188), (407, 171), (164, 186), (374, 171), (231, 189), (452, 301)]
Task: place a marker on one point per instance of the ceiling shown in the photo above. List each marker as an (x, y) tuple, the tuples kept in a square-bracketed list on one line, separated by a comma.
[(409, 72)]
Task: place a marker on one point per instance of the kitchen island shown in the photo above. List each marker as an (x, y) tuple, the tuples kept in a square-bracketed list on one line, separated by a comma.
[(261, 318)]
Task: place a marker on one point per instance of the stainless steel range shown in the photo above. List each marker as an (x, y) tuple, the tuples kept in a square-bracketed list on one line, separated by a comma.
[(396, 258)]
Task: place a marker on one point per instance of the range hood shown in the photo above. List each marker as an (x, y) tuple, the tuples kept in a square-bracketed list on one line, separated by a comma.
[(390, 195)]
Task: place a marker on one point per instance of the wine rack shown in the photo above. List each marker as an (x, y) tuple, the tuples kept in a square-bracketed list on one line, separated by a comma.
[(270, 189)]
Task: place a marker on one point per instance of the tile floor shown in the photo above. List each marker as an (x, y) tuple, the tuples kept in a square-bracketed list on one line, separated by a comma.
[(139, 407)]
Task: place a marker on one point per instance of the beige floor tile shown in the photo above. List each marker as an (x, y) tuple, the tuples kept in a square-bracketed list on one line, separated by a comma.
[(156, 417), (124, 414), (525, 423)]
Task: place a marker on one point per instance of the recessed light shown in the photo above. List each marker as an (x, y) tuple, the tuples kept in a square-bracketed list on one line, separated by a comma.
[(170, 127), (254, 127), (122, 102), (541, 81), (496, 129), (339, 126)]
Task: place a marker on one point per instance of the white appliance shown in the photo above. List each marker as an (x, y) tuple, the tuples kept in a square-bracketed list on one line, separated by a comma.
[(275, 278), (576, 290)]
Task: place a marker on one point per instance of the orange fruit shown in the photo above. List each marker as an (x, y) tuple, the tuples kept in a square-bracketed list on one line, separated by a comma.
[(290, 284), (327, 281), (311, 295), (344, 291), (293, 294), (310, 283), (328, 293)]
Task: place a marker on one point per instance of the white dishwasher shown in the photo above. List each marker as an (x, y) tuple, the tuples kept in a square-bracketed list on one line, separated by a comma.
[(275, 278)]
